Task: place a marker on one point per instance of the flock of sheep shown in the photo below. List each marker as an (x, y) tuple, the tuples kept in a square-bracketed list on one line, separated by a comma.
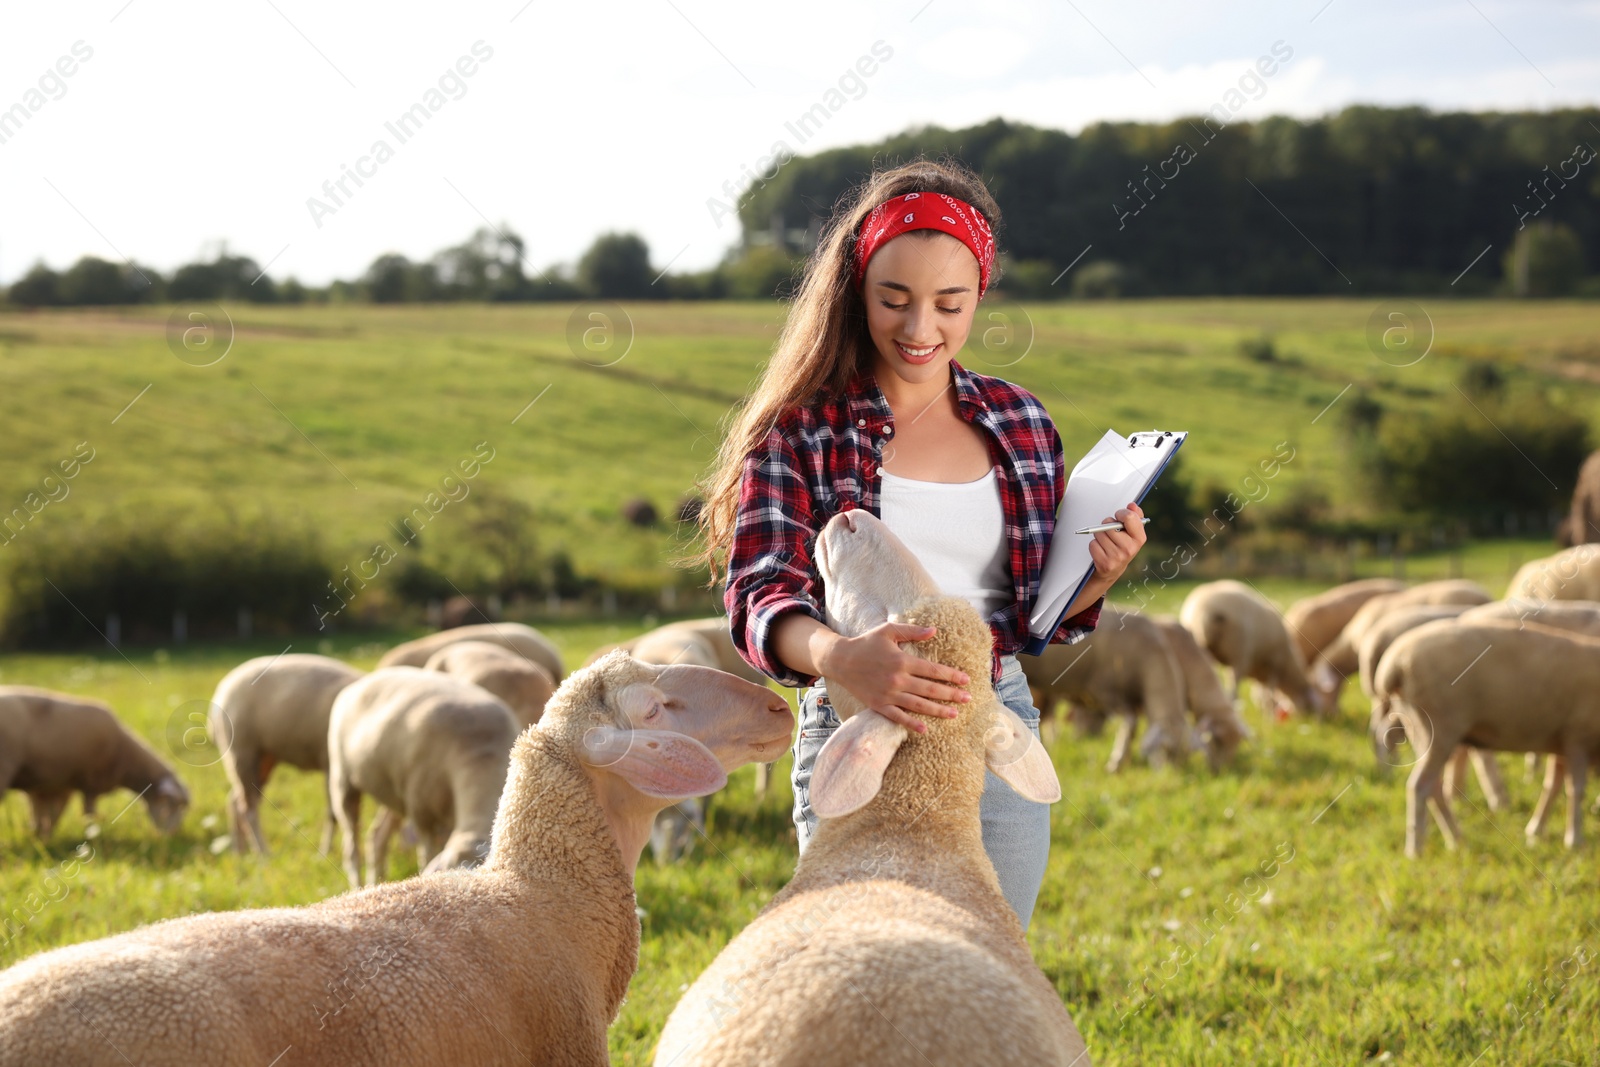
[(891, 944)]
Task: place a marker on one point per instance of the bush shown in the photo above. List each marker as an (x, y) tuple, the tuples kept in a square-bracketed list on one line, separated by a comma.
[(62, 586), (1259, 349), (1101, 280), (1544, 260), (1471, 462)]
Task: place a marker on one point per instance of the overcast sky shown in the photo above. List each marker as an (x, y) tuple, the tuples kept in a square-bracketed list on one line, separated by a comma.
[(191, 123)]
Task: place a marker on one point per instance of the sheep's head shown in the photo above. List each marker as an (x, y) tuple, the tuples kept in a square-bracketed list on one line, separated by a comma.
[(870, 577), (868, 573), (167, 800), (669, 731)]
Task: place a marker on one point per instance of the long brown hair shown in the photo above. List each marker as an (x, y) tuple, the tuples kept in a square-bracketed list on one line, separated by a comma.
[(823, 341)]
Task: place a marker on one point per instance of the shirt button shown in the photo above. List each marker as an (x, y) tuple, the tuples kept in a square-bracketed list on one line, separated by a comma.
[(861, 422), (887, 428)]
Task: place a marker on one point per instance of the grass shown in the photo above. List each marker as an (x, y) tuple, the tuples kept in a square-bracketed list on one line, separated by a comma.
[(344, 417), (1262, 915)]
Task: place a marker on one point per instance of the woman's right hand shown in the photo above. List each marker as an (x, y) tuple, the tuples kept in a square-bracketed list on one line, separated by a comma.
[(896, 684)]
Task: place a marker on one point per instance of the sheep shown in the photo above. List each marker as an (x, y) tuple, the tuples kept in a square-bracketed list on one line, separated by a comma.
[(54, 744), (271, 710), (524, 686), (892, 944), (1124, 668), (1315, 621), (525, 640), (1571, 574), (1216, 720), (1342, 657), (523, 960), (1583, 517), (1533, 688), (1579, 616), (677, 824), (429, 747), (1380, 635), (1243, 631)]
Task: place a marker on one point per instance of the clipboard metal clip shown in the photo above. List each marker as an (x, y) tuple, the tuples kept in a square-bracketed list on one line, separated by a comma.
[(1154, 438)]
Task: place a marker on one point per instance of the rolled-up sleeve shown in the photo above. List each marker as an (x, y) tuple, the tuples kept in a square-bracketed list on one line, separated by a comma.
[(1074, 628), (770, 570)]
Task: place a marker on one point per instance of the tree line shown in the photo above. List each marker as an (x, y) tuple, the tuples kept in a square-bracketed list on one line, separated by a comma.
[(1393, 200)]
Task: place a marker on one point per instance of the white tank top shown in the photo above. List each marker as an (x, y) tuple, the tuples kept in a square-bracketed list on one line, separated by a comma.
[(957, 531)]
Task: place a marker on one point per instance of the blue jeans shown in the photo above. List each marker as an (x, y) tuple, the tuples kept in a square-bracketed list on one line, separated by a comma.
[(1016, 832)]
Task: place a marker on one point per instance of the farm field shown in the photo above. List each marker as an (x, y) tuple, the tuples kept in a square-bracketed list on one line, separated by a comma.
[(1262, 915), (340, 418)]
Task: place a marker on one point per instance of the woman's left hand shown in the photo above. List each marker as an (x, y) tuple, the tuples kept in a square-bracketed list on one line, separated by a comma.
[(1113, 550)]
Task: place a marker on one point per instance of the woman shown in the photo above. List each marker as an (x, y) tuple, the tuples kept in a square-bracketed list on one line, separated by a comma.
[(863, 405)]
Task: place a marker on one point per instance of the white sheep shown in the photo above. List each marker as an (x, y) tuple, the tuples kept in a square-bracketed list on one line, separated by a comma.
[(523, 960), (1216, 720), (525, 686), (516, 636), (1571, 574), (271, 710), (1245, 632), (1342, 657), (892, 944), (1579, 616), (1379, 636), (428, 747), (1532, 688), (1125, 668), (1315, 621), (54, 744)]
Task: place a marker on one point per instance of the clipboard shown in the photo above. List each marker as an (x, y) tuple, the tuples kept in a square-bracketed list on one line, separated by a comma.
[(1115, 471)]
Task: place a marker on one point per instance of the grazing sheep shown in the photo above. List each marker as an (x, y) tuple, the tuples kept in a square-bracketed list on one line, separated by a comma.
[(1124, 668), (1216, 720), (519, 638), (1579, 616), (1315, 621), (524, 960), (892, 944), (427, 746), (1533, 688), (1243, 631), (1380, 635), (55, 744), (271, 710), (1571, 574), (1583, 517), (524, 685), (1342, 657)]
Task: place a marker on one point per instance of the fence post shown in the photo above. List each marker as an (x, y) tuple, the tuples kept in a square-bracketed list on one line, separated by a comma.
[(180, 627), (608, 601), (114, 629), (246, 626)]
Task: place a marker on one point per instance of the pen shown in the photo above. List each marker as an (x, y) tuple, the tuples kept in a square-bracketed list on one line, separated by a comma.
[(1108, 526)]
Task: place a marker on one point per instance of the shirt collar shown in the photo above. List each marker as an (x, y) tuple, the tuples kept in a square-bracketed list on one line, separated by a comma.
[(864, 399)]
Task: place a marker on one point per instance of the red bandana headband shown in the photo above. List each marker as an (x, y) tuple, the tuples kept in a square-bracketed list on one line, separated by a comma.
[(926, 211)]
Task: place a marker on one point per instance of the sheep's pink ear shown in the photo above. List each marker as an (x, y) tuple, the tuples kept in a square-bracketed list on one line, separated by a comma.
[(1014, 754), (849, 769), (658, 763)]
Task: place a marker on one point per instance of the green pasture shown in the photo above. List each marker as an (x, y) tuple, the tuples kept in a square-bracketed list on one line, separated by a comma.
[(1261, 915), (1158, 920), (345, 417)]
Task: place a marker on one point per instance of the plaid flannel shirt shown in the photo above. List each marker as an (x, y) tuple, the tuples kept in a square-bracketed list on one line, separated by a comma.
[(823, 458)]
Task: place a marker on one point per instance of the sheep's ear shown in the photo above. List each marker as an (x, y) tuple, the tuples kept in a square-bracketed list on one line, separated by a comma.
[(658, 763), (1014, 754), (849, 769)]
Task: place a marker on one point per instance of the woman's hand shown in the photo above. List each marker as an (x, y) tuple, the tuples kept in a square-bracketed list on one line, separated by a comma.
[(1113, 550), (894, 683)]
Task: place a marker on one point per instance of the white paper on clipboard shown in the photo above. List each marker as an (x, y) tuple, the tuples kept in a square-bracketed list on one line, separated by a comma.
[(1116, 470)]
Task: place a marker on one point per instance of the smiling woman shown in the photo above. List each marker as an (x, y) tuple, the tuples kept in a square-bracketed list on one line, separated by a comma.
[(864, 405)]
